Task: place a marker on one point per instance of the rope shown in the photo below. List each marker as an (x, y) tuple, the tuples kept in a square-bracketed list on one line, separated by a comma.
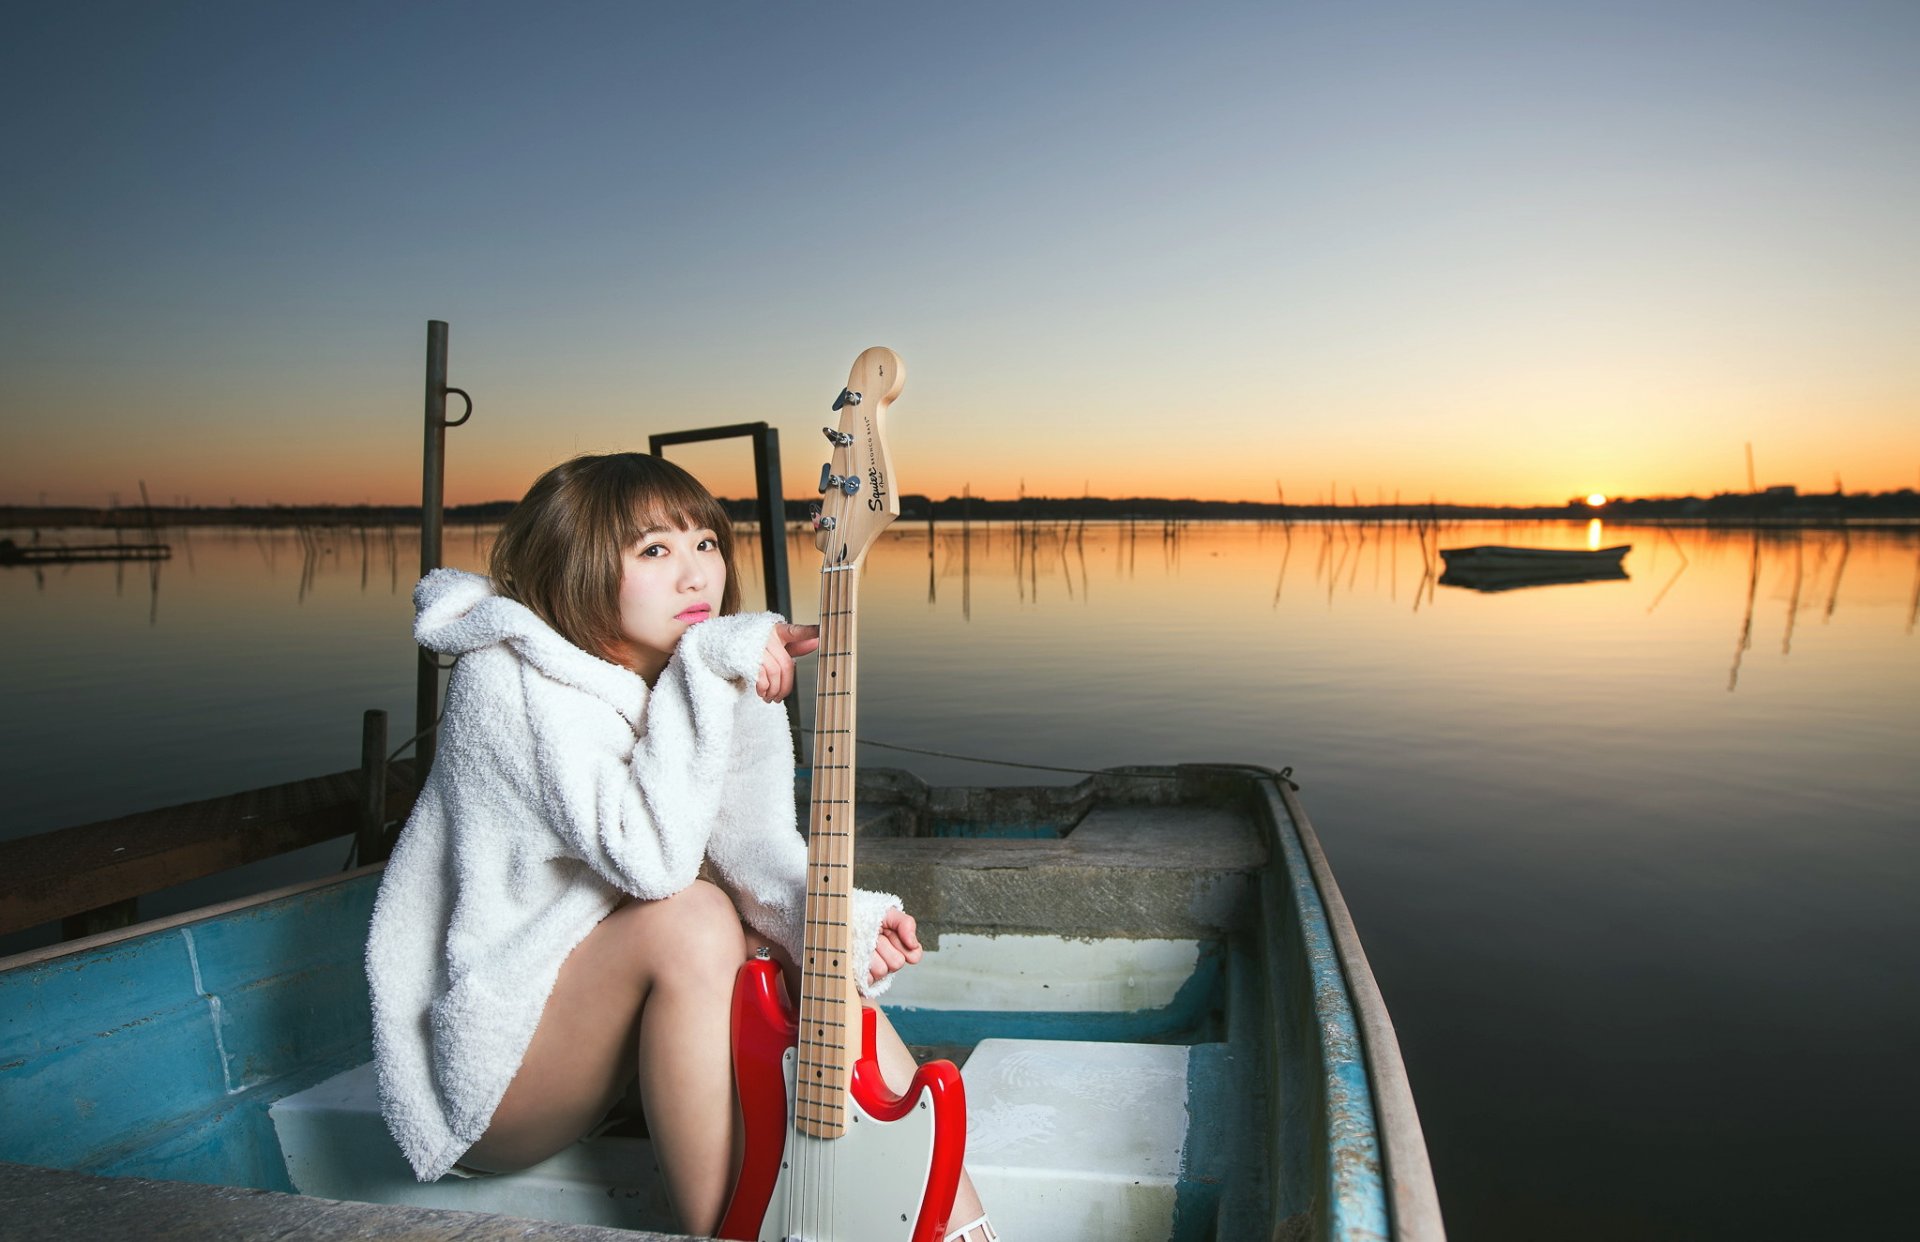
[(410, 741), (1004, 763)]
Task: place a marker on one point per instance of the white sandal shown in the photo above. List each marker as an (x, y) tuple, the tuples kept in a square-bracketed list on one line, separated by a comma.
[(982, 1224)]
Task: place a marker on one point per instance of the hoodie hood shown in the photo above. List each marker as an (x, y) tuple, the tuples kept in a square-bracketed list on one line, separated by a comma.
[(458, 613)]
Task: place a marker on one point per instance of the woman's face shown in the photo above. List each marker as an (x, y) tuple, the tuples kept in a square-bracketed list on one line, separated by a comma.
[(670, 581)]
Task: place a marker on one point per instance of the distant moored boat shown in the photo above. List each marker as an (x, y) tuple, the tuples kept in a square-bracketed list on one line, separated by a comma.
[(1497, 556), (1492, 567)]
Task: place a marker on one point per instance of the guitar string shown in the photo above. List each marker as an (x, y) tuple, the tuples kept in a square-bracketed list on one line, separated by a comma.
[(843, 587), (814, 1176), (816, 1225), (822, 1001), (836, 1113), (800, 1167)]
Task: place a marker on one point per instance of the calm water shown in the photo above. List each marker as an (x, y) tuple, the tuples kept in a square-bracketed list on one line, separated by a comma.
[(1635, 861)]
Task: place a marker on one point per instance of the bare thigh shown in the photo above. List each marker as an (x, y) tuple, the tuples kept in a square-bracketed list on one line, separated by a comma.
[(583, 1054)]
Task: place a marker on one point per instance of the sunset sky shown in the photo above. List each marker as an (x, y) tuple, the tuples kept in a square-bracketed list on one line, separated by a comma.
[(1483, 252)]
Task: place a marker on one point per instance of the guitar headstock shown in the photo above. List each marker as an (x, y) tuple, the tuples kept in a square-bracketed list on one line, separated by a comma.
[(858, 498)]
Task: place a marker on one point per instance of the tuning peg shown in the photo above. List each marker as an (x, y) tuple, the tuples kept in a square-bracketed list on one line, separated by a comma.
[(840, 438), (849, 484), (847, 397)]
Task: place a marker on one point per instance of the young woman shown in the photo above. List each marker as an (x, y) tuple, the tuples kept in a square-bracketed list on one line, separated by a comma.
[(607, 833)]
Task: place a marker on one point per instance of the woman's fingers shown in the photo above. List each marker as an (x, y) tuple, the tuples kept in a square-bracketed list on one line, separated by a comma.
[(893, 949), (776, 670), (906, 932), (798, 640), (887, 958), (898, 928), (775, 679)]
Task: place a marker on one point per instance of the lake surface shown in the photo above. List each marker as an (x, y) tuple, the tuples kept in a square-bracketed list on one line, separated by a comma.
[(1635, 861)]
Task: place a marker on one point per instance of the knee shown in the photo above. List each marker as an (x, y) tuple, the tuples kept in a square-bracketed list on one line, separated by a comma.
[(697, 934)]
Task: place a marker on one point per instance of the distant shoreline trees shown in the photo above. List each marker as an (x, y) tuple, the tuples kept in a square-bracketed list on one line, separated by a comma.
[(1782, 505)]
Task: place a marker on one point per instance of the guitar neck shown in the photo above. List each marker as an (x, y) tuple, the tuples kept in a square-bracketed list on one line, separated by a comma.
[(829, 1018)]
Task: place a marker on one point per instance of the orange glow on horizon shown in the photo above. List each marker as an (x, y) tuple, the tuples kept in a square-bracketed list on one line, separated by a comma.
[(930, 459)]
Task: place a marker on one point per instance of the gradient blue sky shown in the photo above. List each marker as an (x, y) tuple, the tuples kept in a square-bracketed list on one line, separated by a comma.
[(1502, 252)]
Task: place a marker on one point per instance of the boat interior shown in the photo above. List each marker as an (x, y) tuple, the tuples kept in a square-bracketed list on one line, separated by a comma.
[(1135, 974)]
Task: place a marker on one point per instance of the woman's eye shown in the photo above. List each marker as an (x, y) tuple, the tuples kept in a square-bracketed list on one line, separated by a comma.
[(654, 549), (709, 545)]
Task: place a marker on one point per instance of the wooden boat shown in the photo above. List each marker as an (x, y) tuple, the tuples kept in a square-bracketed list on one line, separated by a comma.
[(1491, 567), (1166, 1024), (1496, 556)]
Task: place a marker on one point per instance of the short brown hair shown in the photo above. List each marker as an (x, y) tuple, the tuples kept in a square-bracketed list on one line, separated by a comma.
[(560, 551)]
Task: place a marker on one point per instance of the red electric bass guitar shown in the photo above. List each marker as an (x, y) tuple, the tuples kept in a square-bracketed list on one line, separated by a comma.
[(833, 1155)]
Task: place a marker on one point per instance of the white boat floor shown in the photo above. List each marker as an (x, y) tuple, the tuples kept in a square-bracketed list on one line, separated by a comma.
[(1066, 1141)]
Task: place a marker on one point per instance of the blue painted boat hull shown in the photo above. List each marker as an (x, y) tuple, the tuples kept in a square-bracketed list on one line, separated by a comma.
[(157, 1052)]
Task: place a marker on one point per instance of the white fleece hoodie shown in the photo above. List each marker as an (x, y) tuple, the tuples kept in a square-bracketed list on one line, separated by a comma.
[(563, 785)]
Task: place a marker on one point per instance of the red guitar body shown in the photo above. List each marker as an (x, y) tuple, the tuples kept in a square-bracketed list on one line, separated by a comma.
[(892, 1175)]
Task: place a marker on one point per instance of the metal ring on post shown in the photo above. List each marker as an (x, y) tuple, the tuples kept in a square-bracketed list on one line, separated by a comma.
[(445, 422)]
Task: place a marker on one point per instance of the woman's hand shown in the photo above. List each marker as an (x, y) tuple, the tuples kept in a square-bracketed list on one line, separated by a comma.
[(898, 945), (775, 681)]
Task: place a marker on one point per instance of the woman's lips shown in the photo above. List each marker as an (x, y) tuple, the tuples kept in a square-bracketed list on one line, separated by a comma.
[(699, 612)]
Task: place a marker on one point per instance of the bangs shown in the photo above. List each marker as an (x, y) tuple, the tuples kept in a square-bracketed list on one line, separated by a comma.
[(673, 501)]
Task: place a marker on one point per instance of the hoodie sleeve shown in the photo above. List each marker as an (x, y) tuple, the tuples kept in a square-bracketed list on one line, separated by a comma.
[(638, 805), (759, 852)]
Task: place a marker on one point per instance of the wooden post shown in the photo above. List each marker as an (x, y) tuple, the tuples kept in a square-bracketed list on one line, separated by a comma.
[(110, 917), (371, 844)]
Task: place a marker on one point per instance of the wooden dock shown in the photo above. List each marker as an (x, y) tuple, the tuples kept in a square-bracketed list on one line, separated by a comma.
[(90, 876), (12, 553)]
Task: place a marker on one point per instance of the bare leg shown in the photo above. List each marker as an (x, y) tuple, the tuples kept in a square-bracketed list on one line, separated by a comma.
[(650, 986), (897, 1066)]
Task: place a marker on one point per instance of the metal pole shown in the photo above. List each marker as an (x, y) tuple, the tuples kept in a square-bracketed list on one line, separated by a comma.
[(773, 519), (426, 699), (773, 552), (372, 846)]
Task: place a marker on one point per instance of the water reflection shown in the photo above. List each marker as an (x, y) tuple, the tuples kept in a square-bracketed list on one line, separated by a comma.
[(1066, 564), (1566, 843), (1913, 605), (273, 641)]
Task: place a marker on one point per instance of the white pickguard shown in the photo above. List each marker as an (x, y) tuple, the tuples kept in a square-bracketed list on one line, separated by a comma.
[(865, 1186)]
